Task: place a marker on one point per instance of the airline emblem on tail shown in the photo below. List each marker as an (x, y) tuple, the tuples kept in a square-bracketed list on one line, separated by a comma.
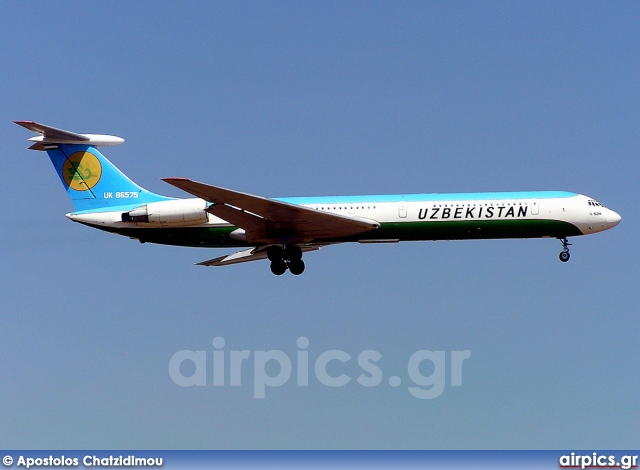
[(82, 171)]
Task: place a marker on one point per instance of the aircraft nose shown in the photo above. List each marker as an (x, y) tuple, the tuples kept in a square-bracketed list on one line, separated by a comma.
[(614, 218)]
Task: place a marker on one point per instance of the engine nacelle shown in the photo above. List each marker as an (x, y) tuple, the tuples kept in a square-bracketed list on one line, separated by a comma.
[(176, 213)]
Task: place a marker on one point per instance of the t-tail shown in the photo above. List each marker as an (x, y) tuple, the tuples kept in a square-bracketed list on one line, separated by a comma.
[(91, 181)]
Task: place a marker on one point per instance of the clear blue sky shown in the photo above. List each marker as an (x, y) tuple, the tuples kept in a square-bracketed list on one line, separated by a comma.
[(323, 98)]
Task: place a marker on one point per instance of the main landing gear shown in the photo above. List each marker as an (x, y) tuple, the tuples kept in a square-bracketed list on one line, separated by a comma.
[(564, 254), (283, 258)]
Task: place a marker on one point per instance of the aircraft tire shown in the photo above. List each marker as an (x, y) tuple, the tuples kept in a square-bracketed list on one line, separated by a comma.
[(564, 256), (274, 253), (278, 267), (296, 267), (292, 252)]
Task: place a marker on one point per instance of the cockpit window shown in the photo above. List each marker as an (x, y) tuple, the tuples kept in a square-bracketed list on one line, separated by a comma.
[(595, 203)]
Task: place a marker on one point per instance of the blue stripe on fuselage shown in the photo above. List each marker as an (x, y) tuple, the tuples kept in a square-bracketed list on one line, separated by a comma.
[(427, 197)]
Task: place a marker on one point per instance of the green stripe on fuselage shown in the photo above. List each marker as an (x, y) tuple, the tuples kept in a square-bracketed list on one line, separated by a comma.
[(218, 237), (472, 229)]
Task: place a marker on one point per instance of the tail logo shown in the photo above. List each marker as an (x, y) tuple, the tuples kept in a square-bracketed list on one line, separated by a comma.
[(82, 171)]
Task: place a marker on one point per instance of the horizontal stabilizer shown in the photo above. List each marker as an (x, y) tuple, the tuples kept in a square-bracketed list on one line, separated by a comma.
[(53, 135)]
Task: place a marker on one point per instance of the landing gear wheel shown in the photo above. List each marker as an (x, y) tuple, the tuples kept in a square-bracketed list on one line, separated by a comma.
[(564, 254), (292, 252), (278, 267), (274, 253), (296, 267), (289, 257)]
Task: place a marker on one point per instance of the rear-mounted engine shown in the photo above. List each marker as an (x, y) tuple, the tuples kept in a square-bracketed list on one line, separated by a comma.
[(178, 213)]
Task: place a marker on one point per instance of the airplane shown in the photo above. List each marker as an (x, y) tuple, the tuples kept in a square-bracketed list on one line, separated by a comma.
[(282, 229)]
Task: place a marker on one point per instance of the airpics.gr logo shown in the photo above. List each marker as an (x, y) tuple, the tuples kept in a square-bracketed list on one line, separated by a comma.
[(82, 171)]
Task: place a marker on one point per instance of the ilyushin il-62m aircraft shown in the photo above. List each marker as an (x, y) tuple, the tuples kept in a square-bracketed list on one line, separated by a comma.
[(282, 229)]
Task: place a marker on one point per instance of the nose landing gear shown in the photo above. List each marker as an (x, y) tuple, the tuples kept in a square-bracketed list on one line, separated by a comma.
[(289, 257), (564, 254)]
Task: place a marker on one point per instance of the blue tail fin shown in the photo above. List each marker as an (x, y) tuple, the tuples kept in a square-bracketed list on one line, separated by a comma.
[(93, 182), (90, 179)]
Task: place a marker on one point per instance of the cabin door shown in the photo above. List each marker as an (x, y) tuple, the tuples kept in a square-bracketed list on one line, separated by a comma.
[(402, 210), (535, 207)]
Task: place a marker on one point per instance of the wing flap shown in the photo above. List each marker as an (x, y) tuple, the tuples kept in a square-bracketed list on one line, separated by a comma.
[(252, 254)]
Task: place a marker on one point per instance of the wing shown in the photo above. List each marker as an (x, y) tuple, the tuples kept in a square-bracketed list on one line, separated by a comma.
[(269, 221), (252, 254)]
